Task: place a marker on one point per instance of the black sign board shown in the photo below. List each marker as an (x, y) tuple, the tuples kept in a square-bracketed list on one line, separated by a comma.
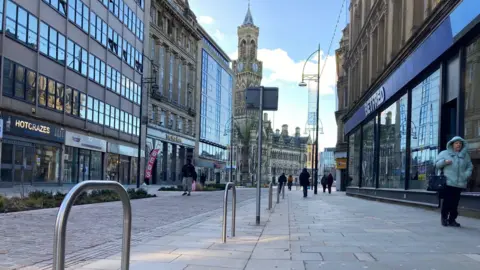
[(270, 98), (25, 127)]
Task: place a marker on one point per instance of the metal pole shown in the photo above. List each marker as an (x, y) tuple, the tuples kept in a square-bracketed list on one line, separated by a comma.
[(316, 128), (259, 166), (270, 195), (139, 169), (278, 194), (283, 191), (225, 210), (64, 211), (231, 149)]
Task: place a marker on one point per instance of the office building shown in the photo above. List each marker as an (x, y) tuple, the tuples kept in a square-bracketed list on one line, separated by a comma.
[(412, 86), (172, 68), (327, 162), (214, 122), (71, 86)]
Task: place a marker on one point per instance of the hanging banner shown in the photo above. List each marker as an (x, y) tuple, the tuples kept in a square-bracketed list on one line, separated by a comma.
[(151, 161)]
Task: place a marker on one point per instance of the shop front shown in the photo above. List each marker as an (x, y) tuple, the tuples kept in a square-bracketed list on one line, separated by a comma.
[(173, 151), (31, 151), (83, 158), (122, 163), (395, 136)]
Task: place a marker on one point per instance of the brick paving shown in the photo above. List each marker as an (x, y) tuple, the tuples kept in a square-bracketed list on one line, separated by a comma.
[(94, 231)]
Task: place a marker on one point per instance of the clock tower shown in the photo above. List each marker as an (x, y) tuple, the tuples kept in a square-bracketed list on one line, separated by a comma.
[(247, 68)]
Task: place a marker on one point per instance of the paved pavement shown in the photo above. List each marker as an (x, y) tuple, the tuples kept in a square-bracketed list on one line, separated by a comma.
[(320, 232), (94, 231)]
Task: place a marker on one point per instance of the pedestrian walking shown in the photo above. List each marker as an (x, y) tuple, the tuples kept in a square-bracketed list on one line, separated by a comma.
[(290, 182), (329, 183), (456, 166), (304, 182), (324, 183), (282, 180), (188, 172), (203, 179)]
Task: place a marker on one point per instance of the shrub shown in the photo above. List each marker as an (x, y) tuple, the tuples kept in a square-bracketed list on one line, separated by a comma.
[(44, 199)]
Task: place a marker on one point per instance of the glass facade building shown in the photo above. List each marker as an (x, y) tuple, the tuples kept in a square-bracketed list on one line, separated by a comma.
[(428, 99), (71, 89), (215, 125)]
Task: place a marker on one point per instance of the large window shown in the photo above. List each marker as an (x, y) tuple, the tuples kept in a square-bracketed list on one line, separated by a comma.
[(21, 25), (72, 102), (97, 69), (1, 14), (78, 14), (354, 146), (393, 140), (179, 84), (113, 79), (368, 154), (424, 130), (52, 43), (114, 42), (77, 58), (98, 29), (59, 5), (50, 93), (472, 110), (170, 80), (18, 81)]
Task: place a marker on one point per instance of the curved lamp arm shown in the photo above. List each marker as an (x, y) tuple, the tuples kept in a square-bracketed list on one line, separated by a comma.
[(302, 83)]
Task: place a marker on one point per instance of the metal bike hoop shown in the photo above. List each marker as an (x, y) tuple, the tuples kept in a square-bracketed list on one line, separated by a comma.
[(225, 210), (279, 190), (270, 195), (64, 211)]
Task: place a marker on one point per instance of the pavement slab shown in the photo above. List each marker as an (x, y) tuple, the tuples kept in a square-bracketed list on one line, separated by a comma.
[(321, 232)]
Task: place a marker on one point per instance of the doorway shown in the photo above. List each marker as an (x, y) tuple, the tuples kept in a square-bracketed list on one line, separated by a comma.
[(84, 165), (17, 163), (449, 122)]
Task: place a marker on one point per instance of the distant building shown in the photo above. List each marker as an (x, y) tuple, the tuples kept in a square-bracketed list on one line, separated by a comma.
[(327, 162)]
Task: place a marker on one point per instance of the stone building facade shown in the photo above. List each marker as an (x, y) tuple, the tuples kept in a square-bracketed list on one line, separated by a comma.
[(411, 87), (172, 49)]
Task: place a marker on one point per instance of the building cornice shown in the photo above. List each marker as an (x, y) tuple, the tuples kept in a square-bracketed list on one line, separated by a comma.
[(428, 26)]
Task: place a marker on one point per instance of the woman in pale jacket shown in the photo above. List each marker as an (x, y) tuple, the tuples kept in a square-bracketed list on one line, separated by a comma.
[(457, 168)]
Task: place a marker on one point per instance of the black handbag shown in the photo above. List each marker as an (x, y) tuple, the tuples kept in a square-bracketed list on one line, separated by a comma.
[(437, 182)]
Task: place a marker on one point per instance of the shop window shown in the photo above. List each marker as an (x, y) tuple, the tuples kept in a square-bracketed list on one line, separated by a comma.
[(354, 146), (77, 58), (47, 164), (472, 111), (78, 14), (21, 25), (18, 81), (59, 5), (424, 135), (393, 142), (98, 29)]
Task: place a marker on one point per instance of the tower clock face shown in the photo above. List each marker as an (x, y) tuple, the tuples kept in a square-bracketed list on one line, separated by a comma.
[(240, 67), (255, 67)]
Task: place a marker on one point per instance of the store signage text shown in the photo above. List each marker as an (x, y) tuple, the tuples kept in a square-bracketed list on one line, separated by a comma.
[(375, 101), (33, 127), (87, 142), (174, 138)]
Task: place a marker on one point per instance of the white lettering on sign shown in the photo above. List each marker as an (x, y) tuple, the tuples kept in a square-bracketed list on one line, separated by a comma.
[(375, 101)]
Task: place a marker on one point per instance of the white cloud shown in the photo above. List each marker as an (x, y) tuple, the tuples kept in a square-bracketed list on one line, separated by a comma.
[(205, 20), (281, 68), (218, 35)]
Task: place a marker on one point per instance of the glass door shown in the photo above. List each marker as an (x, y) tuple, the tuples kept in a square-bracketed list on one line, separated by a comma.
[(84, 165), (124, 170), (17, 163)]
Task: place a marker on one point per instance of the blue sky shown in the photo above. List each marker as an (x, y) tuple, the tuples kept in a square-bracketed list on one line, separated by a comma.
[(290, 30)]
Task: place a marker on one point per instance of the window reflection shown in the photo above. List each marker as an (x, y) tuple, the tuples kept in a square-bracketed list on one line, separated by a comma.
[(393, 127), (424, 142), (472, 110), (368, 154), (353, 159)]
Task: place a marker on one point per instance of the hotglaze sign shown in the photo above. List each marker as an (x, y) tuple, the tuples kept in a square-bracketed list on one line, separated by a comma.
[(375, 101), (86, 142), (28, 127)]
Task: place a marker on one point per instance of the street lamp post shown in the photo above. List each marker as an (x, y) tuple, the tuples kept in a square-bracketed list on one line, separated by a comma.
[(303, 84), (230, 156)]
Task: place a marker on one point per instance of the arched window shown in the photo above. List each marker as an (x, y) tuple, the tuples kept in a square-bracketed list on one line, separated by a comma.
[(253, 50), (243, 49)]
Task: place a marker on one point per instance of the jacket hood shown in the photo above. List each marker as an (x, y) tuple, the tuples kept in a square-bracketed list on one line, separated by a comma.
[(454, 139), (304, 170)]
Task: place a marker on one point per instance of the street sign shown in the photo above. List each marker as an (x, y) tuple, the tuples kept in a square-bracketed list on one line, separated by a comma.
[(270, 98)]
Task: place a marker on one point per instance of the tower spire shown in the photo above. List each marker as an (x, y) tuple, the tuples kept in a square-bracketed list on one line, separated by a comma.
[(248, 18)]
